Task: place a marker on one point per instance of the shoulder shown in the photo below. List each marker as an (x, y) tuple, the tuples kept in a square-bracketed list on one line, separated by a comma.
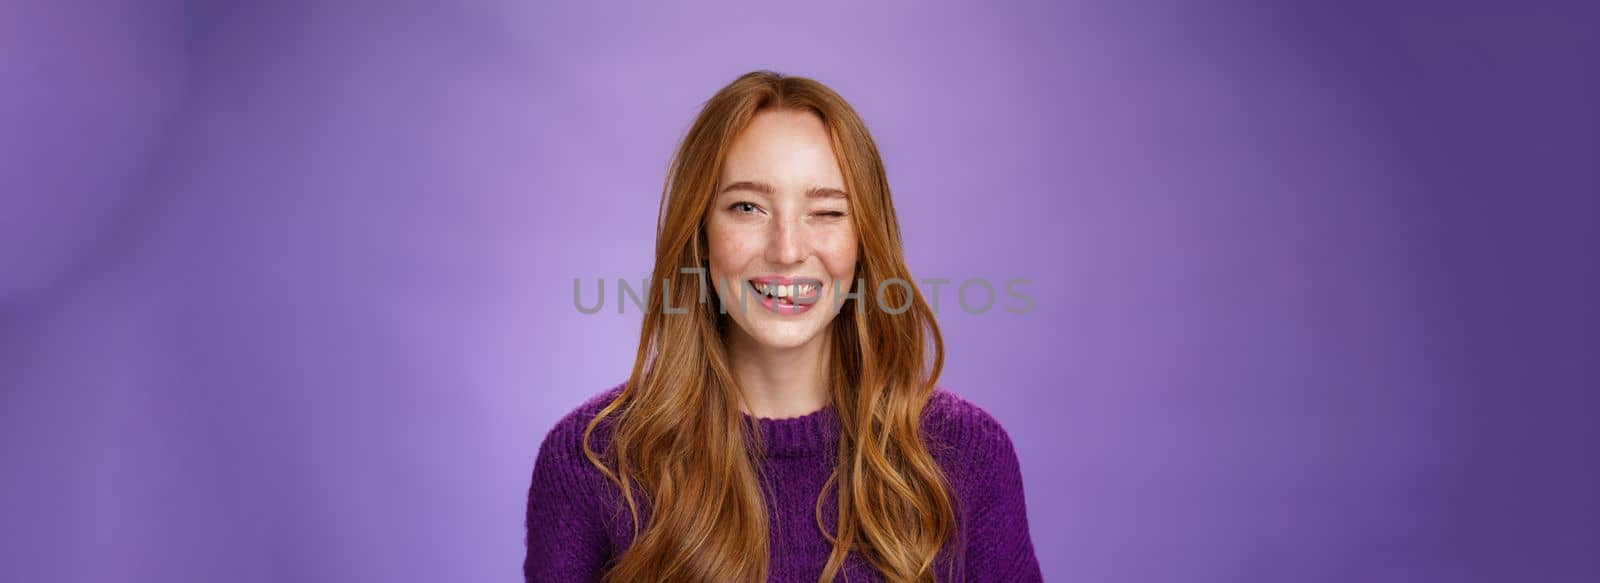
[(953, 416), (568, 533), (963, 434), (987, 487), (564, 440)]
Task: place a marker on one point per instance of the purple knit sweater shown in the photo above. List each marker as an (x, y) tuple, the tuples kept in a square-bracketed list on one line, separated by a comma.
[(574, 528)]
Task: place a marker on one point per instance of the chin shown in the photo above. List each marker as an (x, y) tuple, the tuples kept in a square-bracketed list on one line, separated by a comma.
[(775, 339)]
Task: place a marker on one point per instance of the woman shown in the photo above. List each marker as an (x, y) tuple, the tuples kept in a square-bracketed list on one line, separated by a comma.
[(781, 423)]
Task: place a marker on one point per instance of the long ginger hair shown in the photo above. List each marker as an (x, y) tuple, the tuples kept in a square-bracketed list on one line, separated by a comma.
[(678, 440)]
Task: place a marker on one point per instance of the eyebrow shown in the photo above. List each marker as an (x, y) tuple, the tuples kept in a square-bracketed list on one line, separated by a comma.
[(764, 188)]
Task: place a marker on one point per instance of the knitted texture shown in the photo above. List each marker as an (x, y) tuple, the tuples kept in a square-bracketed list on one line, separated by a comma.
[(576, 523)]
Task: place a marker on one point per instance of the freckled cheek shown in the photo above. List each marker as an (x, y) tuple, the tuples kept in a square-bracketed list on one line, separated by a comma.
[(730, 252), (838, 255), (738, 251)]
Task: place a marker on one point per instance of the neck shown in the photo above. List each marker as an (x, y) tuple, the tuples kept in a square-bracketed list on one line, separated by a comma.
[(779, 383)]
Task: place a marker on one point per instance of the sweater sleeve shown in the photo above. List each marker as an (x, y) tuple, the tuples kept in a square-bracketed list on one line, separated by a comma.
[(566, 541), (999, 547)]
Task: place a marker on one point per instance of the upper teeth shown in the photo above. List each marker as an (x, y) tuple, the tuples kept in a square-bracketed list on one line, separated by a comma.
[(785, 291)]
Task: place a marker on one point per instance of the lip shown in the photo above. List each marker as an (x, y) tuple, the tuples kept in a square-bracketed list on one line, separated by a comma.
[(786, 280), (801, 305)]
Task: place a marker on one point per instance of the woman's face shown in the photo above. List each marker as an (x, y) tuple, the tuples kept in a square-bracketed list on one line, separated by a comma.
[(780, 226)]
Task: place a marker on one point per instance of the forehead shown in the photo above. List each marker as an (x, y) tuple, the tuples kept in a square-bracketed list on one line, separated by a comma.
[(787, 148)]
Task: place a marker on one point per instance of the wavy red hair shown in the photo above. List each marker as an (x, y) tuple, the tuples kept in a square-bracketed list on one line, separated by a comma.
[(678, 443)]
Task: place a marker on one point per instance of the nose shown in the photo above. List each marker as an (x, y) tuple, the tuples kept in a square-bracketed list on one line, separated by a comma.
[(787, 244)]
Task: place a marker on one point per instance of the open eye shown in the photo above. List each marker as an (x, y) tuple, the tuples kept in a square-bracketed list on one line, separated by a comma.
[(743, 207)]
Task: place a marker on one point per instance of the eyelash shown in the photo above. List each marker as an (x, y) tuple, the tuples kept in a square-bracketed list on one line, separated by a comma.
[(734, 207)]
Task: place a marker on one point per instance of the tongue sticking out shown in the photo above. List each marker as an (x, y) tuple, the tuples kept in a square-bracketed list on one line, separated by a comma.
[(772, 294)]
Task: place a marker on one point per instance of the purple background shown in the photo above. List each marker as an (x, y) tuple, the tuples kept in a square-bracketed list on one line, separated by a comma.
[(286, 287)]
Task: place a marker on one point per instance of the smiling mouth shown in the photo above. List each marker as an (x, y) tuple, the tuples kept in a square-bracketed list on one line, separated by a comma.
[(800, 292)]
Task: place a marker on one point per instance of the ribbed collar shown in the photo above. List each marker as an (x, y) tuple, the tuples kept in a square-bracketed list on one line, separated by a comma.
[(809, 434)]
